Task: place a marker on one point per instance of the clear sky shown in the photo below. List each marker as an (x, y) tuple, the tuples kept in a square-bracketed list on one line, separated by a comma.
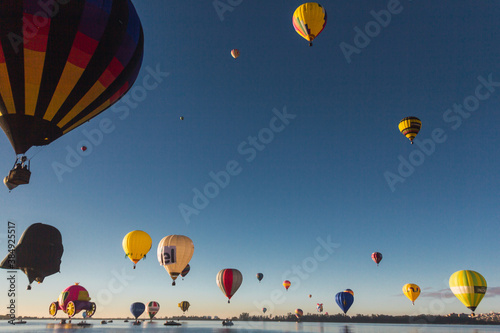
[(331, 169)]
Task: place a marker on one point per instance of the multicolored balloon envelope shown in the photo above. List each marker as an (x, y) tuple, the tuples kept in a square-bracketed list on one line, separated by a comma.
[(410, 126), (377, 257), (260, 276), (174, 253), (184, 305), (63, 64), (412, 291), (287, 284), (309, 20), (235, 53), (344, 300), (38, 253), (152, 309), (299, 313), (137, 309), (136, 245), (229, 280), (319, 307), (185, 271), (469, 287)]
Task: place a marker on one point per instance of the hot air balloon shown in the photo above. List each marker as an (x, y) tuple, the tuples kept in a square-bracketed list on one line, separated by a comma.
[(469, 287), (229, 280), (83, 148), (377, 257), (310, 295), (260, 276), (181, 118), (136, 245), (299, 313), (38, 252), (349, 291), (152, 309), (185, 271), (410, 126), (411, 291), (344, 299), (137, 309), (309, 20), (174, 253), (84, 314), (72, 300), (264, 310), (235, 53), (286, 284), (319, 307), (65, 69), (184, 305)]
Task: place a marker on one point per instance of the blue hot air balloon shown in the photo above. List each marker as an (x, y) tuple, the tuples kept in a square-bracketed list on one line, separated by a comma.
[(344, 299), (137, 309)]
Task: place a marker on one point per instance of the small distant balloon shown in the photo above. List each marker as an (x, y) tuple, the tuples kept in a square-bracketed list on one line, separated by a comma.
[(286, 284), (310, 295), (181, 118), (260, 276), (84, 148), (235, 53), (377, 257)]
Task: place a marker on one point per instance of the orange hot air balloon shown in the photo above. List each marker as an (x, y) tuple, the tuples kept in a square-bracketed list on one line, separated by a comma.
[(235, 53), (286, 284)]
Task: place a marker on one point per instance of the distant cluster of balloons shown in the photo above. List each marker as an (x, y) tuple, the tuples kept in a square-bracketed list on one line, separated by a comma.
[(39, 251)]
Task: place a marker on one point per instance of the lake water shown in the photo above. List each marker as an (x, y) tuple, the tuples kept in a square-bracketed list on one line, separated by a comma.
[(242, 326)]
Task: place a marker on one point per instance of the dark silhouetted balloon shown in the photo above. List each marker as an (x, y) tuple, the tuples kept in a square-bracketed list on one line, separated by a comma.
[(38, 253)]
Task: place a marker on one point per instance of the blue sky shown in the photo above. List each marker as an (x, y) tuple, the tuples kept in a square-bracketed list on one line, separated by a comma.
[(321, 173)]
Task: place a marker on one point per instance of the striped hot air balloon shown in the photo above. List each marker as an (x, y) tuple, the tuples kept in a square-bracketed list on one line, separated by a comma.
[(410, 126), (229, 280), (235, 53), (63, 64), (377, 257), (184, 305), (299, 313), (309, 20), (469, 287), (287, 284)]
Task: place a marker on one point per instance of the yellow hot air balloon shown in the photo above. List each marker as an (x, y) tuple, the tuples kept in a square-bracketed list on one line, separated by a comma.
[(309, 20), (136, 245), (411, 291), (174, 253), (184, 305), (469, 287), (410, 126)]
